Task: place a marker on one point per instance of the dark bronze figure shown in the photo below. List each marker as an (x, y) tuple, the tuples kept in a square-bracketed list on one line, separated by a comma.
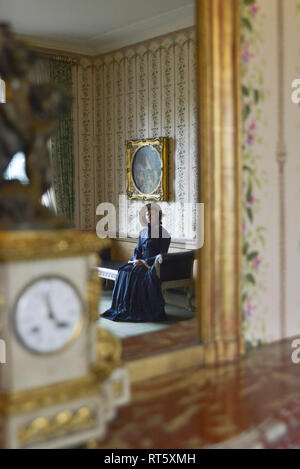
[(27, 120)]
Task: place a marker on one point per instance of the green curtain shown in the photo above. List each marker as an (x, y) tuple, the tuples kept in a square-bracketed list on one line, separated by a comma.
[(62, 146)]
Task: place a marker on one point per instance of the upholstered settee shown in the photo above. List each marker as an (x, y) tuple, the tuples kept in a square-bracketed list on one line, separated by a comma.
[(174, 270)]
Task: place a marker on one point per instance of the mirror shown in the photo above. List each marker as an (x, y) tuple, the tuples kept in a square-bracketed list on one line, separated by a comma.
[(150, 88), (157, 95)]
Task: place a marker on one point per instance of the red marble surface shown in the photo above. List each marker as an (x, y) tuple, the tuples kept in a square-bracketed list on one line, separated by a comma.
[(180, 335), (252, 403)]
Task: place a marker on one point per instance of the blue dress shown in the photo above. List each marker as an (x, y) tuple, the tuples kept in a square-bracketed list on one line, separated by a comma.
[(137, 295)]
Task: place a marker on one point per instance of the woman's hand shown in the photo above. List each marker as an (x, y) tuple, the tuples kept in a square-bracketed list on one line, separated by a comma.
[(138, 262)]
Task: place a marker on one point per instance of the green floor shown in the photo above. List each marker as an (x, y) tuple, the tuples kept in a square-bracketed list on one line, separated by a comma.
[(128, 329)]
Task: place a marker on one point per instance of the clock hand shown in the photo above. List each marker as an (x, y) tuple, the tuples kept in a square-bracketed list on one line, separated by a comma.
[(62, 324), (49, 309), (35, 329), (51, 314)]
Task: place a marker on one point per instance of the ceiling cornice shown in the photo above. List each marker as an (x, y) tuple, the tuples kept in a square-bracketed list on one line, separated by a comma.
[(143, 30), (64, 46), (165, 23)]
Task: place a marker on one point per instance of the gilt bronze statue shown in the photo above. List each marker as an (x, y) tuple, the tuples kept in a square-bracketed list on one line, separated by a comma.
[(27, 120)]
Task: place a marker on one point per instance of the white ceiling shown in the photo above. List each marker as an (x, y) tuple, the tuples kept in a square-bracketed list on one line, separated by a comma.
[(95, 26)]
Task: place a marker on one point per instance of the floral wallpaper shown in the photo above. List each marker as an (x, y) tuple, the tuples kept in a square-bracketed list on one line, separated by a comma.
[(84, 144), (269, 294), (253, 92), (62, 145)]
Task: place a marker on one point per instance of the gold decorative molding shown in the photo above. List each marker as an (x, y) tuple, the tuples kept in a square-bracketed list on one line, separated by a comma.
[(66, 421), (218, 286), (108, 357), (157, 365), (93, 294), (44, 244), (108, 351)]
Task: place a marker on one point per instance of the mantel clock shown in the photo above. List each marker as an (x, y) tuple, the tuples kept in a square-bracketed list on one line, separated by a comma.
[(63, 379)]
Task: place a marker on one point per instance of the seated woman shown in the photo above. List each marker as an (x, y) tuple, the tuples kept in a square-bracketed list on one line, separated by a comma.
[(137, 295)]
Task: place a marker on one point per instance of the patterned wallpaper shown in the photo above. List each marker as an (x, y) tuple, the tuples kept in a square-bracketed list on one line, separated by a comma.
[(148, 90), (271, 225), (84, 144), (255, 176)]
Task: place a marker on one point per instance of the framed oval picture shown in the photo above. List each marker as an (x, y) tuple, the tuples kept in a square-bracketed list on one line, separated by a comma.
[(147, 169)]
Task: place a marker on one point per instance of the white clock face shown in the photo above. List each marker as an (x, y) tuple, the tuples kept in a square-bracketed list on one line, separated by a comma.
[(48, 315)]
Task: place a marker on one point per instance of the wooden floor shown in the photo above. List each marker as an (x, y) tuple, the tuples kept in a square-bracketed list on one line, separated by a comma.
[(254, 403)]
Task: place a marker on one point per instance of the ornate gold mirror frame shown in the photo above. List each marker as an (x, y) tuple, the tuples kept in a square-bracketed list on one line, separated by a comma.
[(218, 284)]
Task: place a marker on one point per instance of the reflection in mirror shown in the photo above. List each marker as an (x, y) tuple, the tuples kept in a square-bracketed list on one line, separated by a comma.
[(148, 304), (148, 297), (135, 89), (151, 305)]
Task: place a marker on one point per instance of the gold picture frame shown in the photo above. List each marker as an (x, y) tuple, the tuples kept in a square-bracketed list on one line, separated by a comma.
[(147, 169)]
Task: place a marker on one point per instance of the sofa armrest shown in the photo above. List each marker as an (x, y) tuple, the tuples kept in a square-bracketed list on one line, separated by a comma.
[(158, 261)]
